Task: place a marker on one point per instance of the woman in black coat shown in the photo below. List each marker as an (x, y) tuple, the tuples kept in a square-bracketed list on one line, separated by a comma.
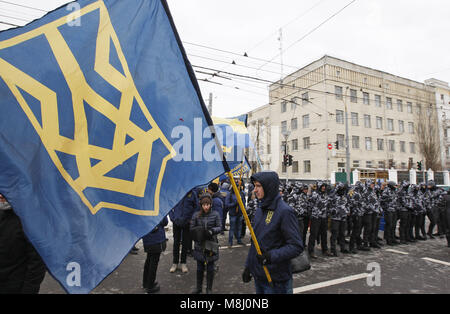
[(205, 225)]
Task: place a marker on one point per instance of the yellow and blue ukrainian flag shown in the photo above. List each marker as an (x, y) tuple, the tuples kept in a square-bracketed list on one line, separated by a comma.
[(88, 100)]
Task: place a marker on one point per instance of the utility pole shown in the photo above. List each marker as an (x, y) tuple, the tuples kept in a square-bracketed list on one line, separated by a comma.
[(281, 54), (210, 104), (347, 147)]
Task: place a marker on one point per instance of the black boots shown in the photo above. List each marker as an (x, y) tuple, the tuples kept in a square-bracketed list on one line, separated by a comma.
[(209, 282), (198, 289)]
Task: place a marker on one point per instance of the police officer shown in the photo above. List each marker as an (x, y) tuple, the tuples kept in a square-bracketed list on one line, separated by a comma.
[(356, 213), (303, 210), (404, 206), (338, 214), (319, 221)]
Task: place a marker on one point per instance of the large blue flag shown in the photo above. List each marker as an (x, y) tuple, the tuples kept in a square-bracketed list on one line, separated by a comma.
[(93, 99)]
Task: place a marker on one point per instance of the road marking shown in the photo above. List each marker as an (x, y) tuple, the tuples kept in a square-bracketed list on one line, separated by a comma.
[(436, 261), (234, 246), (396, 251), (330, 283)]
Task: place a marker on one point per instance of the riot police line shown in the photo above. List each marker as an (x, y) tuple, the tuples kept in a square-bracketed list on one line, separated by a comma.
[(357, 212)]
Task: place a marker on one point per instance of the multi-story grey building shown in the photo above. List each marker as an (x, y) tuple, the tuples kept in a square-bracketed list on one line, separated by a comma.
[(388, 120)]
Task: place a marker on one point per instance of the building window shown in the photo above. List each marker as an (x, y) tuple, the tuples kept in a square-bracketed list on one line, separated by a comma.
[(355, 163), (355, 118), (379, 123), (402, 147), (340, 116), (295, 145), (419, 108), (294, 124), (390, 124), (307, 166), (293, 103), (295, 166), (401, 126), (388, 103), (355, 142), (340, 138), (283, 106), (283, 126), (369, 164), (367, 123), (353, 95), (306, 143), (305, 98), (305, 120), (368, 143), (411, 127), (283, 146), (399, 105), (380, 144), (409, 107), (391, 146), (338, 92), (365, 98), (412, 147), (377, 101), (381, 164)]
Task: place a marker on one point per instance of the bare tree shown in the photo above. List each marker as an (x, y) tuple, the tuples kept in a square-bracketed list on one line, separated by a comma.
[(427, 136)]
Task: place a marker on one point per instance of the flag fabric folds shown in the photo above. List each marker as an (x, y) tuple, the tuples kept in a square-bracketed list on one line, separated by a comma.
[(90, 96), (234, 137)]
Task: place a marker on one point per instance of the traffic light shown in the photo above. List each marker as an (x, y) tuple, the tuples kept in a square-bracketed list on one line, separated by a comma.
[(290, 160), (419, 165), (336, 144), (285, 159)]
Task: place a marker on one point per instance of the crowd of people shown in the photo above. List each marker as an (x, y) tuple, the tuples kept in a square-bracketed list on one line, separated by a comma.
[(353, 212), (356, 212), (280, 215)]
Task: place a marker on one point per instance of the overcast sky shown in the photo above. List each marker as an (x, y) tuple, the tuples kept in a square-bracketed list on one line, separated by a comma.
[(408, 38)]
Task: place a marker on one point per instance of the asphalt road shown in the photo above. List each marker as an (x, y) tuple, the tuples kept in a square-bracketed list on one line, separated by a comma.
[(422, 267)]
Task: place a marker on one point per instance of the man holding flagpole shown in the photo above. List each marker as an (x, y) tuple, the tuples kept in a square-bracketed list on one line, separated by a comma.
[(276, 228)]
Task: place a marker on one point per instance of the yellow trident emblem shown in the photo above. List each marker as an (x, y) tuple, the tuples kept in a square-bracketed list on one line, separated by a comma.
[(91, 176)]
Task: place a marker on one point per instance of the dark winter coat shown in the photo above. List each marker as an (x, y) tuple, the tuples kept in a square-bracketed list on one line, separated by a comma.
[(182, 213), (233, 209), (276, 230), (157, 235), (217, 204), (21, 268), (209, 221)]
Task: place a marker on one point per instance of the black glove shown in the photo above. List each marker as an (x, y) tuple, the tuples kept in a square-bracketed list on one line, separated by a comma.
[(246, 275), (263, 259)]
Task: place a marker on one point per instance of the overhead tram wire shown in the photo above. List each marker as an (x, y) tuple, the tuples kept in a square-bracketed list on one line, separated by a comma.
[(239, 55), (277, 98), (10, 24), (310, 32), (285, 25), (283, 85), (259, 59), (15, 18), (23, 6)]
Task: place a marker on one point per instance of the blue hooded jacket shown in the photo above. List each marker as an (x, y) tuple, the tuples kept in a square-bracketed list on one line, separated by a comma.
[(181, 214), (276, 230), (157, 235)]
